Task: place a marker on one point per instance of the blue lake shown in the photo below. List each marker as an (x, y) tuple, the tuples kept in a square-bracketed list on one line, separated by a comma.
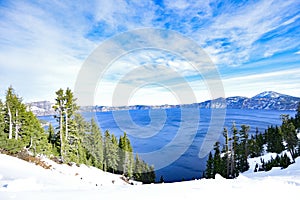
[(151, 131)]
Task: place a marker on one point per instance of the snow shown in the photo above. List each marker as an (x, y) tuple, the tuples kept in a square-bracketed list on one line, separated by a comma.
[(23, 180), (268, 94)]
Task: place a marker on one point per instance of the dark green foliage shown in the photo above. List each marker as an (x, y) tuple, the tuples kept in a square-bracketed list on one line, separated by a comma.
[(126, 162), (238, 148), (111, 157), (296, 119), (274, 140), (19, 128), (243, 149), (217, 161), (143, 172), (289, 135), (93, 143), (209, 167), (53, 140), (256, 144), (161, 180), (279, 161), (74, 140)]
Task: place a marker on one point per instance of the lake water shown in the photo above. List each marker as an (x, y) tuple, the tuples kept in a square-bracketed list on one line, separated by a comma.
[(153, 132)]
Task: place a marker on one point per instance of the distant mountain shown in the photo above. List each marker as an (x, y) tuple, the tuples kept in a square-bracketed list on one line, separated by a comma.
[(41, 108), (268, 100)]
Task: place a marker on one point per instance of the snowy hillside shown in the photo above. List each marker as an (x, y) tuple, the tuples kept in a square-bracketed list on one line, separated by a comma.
[(23, 180)]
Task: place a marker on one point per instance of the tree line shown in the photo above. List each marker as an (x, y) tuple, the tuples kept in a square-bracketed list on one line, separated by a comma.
[(74, 140), (232, 158)]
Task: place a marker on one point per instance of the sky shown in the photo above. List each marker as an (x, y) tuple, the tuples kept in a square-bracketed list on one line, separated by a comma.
[(254, 46)]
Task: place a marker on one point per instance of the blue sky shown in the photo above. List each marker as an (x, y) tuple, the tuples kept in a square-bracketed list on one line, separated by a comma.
[(254, 44)]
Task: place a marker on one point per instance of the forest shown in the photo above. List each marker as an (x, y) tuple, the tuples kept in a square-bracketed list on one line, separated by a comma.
[(73, 141), (237, 146)]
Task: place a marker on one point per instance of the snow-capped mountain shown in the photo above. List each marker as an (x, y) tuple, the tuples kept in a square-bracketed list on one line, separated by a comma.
[(269, 94), (41, 108), (268, 100)]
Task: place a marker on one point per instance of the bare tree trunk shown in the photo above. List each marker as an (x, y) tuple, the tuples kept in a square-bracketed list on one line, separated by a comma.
[(61, 133), (30, 145), (67, 130), (10, 122), (16, 126), (227, 152)]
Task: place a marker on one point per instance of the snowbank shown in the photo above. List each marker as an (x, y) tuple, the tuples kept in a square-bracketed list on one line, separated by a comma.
[(22, 180)]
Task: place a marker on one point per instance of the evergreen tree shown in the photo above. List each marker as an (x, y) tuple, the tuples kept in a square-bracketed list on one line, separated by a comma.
[(243, 150), (125, 165), (70, 107), (138, 169), (21, 127), (34, 135), (297, 118), (142, 171), (60, 108), (217, 161), (93, 142), (274, 140), (74, 147), (289, 135), (209, 172), (72, 127), (110, 152), (226, 158), (161, 180), (53, 140), (14, 111), (234, 156), (2, 122), (3, 135), (285, 161)]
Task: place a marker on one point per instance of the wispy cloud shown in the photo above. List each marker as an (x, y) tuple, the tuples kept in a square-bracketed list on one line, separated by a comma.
[(43, 45)]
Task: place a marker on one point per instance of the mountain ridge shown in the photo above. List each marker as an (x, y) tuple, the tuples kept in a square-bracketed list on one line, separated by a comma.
[(267, 100)]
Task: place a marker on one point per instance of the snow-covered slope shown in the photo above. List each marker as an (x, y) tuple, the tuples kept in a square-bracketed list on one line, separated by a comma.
[(22, 180)]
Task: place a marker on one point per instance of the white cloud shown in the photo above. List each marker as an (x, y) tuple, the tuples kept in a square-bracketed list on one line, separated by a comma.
[(242, 27), (250, 85), (45, 52), (44, 45)]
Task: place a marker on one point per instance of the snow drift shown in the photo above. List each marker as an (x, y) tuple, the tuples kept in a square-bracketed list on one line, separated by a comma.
[(22, 180)]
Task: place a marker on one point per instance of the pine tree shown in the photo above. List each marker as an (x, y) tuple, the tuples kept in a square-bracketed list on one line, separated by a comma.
[(70, 107), (297, 118), (256, 144), (289, 135), (217, 161), (226, 158), (142, 171), (234, 156), (60, 108), (3, 136), (14, 110), (161, 180), (243, 149), (34, 135), (110, 152), (70, 124), (209, 167), (74, 147), (53, 140), (21, 127), (274, 140), (93, 142), (126, 162)]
